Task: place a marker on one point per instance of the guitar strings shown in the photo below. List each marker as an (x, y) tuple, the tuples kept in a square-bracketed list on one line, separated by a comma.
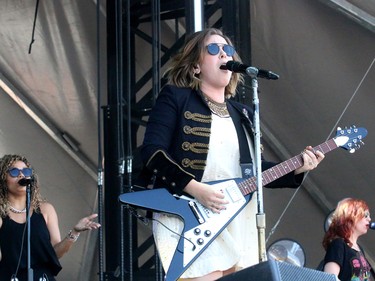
[(146, 221)]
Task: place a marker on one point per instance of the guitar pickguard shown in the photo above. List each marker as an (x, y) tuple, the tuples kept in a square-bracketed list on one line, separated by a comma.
[(211, 224)]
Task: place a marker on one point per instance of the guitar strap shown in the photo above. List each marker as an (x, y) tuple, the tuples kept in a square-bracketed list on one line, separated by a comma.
[(243, 128)]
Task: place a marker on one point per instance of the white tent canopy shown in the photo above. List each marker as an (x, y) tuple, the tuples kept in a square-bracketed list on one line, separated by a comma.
[(325, 59)]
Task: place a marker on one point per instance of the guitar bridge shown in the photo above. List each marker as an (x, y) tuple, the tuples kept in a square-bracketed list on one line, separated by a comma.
[(194, 208)]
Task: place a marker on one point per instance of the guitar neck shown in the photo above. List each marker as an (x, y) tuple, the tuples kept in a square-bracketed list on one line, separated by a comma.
[(250, 185)]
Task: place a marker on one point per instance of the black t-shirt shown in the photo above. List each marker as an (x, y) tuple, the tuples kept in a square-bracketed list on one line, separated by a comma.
[(353, 264)]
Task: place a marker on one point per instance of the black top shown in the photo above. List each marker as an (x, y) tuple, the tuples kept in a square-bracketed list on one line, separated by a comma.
[(353, 264), (42, 255)]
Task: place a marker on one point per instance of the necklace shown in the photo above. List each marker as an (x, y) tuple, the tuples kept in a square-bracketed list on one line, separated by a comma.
[(220, 109), (16, 211)]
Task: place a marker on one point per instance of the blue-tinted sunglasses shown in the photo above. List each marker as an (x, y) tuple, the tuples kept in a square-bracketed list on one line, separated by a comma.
[(214, 49), (15, 172)]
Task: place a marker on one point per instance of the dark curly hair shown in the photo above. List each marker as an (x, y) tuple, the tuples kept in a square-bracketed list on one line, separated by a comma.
[(5, 163)]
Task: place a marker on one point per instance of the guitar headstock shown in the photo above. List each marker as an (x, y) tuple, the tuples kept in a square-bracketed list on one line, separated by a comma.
[(350, 138)]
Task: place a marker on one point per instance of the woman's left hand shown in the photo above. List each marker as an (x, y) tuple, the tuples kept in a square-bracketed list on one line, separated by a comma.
[(87, 223), (311, 160)]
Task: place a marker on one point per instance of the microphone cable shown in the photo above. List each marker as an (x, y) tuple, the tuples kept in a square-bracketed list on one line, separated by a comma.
[(34, 23), (333, 129), (14, 275), (146, 221)]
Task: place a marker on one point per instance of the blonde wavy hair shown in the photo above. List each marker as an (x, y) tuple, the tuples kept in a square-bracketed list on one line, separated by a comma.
[(6, 162), (181, 70)]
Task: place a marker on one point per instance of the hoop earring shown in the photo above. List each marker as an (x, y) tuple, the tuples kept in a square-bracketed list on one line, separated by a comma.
[(195, 82), (196, 77)]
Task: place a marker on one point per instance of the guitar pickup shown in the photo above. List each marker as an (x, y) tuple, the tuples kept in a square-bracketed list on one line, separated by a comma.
[(194, 208), (234, 193)]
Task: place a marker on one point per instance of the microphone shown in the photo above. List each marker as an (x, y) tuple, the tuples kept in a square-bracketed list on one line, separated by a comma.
[(236, 66), (372, 225), (25, 181)]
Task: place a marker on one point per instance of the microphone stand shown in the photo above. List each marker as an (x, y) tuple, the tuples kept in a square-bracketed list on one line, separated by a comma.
[(30, 273), (261, 216)]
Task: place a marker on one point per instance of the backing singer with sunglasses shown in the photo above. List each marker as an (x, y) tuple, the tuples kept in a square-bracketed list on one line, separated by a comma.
[(197, 134), (46, 244)]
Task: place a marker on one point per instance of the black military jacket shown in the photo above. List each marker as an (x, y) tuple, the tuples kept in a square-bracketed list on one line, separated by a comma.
[(176, 141)]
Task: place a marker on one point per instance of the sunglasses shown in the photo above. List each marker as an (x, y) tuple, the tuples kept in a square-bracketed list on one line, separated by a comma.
[(15, 172), (367, 215), (214, 49)]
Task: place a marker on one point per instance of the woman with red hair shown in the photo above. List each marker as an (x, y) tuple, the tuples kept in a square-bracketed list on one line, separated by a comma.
[(344, 257)]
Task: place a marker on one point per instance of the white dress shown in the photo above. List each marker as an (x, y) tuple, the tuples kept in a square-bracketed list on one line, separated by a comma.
[(237, 245)]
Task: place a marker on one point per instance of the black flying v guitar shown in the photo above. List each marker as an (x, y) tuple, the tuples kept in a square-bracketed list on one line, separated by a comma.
[(201, 225)]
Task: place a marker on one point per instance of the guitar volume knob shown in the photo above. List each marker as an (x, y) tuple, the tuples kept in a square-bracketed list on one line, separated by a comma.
[(207, 233), (200, 241)]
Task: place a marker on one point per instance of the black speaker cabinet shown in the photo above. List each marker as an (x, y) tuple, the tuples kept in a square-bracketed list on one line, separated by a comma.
[(278, 271)]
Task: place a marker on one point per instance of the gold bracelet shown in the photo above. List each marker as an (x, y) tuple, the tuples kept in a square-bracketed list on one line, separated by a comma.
[(72, 237)]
